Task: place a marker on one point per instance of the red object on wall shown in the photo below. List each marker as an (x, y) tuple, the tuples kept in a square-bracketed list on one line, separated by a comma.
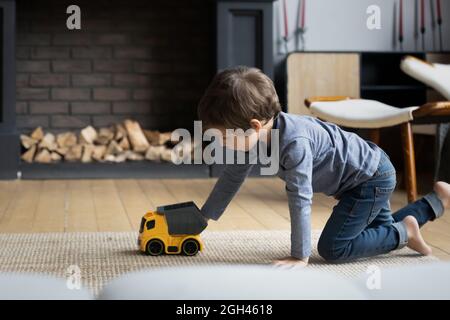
[(422, 16), (439, 12), (285, 19), (301, 19), (400, 23)]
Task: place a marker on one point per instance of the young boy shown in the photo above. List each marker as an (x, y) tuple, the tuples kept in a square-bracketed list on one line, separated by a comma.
[(317, 156)]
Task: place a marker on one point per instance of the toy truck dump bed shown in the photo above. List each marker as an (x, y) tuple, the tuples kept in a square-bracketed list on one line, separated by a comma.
[(183, 218)]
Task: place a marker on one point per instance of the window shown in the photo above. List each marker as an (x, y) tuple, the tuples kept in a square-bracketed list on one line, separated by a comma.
[(150, 224), (141, 228)]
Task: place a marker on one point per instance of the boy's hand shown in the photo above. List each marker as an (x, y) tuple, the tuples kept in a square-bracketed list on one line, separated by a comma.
[(291, 262)]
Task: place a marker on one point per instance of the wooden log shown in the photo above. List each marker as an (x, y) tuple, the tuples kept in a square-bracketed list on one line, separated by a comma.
[(166, 155), (66, 139), (62, 151), (99, 153), (48, 142), (88, 135), (116, 158), (82, 141), (110, 158), (74, 153), (121, 132), (134, 156), (136, 136), (156, 138), (164, 137), (122, 157), (28, 156), (55, 156), (37, 134), (124, 143), (152, 137), (27, 142), (105, 135), (113, 148), (43, 156), (154, 153), (88, 151)]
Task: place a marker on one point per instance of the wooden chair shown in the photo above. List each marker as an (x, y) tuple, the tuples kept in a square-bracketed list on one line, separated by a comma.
[(434, 75), (361, 113), (370, 114)]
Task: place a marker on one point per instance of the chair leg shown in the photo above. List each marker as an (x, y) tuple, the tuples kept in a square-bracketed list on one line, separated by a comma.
[(374, 136), (410, 161)]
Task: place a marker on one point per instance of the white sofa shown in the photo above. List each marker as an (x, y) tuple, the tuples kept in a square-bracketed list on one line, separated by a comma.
[(237, 282), (16, 286), (431, 281)]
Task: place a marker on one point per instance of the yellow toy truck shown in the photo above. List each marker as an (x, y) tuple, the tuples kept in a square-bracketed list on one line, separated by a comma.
[(172, 229)]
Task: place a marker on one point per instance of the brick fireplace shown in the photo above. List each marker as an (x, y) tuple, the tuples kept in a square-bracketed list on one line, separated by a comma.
[(147, 61), (138, 59)]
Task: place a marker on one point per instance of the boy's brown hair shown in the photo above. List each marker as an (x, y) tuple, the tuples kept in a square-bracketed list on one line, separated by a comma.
[(237, 95)]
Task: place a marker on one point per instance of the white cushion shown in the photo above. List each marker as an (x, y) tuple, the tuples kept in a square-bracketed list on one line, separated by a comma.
[(231, 282), (17, 286), (361, 113), (435, 75), (430, 281)]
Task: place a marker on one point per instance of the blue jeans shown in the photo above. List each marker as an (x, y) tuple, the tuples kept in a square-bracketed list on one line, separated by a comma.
[(362, 224)]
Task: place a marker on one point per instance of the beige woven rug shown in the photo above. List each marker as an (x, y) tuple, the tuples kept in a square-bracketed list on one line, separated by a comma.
[(104, 256)]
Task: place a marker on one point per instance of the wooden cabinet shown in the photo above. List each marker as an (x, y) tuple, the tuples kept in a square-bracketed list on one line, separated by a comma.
[(320, 74)]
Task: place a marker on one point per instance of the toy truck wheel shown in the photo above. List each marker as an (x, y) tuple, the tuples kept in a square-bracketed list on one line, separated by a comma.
[(190, 247), (155, 247)]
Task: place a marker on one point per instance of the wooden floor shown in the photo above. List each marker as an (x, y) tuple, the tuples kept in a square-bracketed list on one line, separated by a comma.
[(118, 205)]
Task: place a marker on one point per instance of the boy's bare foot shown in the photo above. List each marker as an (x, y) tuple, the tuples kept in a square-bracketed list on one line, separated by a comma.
[(442, 190), (415, 239)]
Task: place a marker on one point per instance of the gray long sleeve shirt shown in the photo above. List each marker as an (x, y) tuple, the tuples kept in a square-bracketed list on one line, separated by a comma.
[(314, 156)]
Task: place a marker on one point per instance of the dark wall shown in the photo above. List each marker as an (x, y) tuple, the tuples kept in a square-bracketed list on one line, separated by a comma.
[(147, 60)]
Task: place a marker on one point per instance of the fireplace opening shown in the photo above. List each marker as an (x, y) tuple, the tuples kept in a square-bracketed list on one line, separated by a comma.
[(135, 61)]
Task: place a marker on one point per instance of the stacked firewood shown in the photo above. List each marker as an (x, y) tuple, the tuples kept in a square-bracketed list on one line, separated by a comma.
[(118, 143)]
